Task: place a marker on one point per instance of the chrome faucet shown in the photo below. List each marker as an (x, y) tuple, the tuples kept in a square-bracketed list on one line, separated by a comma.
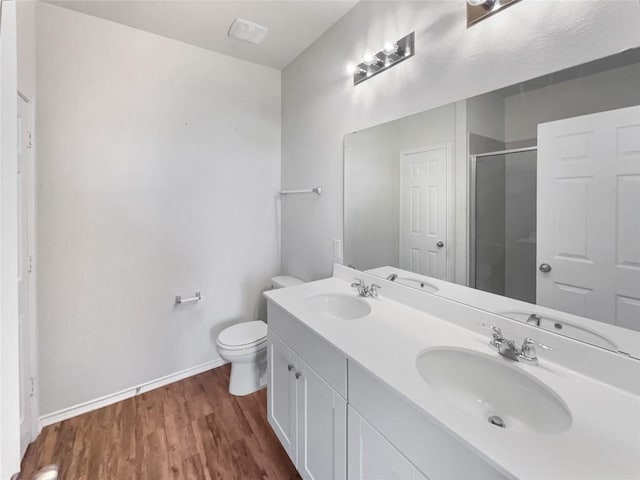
[(364, 290), (507, 348), (392, 277), (528, 352), (534, 319)]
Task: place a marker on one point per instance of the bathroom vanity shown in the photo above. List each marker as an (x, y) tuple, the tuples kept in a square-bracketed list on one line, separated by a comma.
[(406, 386)]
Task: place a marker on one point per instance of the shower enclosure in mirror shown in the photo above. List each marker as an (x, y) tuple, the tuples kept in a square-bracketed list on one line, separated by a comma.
[(524, 201), (502, 209)]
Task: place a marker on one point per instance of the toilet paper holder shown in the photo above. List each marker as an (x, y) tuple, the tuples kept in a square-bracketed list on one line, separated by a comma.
[(195, 298)]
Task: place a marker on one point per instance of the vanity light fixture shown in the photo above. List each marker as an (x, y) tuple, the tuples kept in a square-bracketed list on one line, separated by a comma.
[(478, 10), (352, 68), (390, 48), (391, 54), (369, 58)]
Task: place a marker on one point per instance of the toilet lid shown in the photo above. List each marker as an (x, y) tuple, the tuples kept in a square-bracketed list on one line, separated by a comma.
[(244, 333)]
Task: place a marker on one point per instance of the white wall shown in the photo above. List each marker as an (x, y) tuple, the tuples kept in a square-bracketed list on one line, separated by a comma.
[(320, 104), (9, 372), (159, 164)]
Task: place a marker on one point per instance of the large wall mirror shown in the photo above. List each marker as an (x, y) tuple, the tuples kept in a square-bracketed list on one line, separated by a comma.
[(524, 201)]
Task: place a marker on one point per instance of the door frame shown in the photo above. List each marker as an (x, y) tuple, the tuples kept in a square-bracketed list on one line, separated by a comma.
[(31, 322), (472, 205), (449, 204)]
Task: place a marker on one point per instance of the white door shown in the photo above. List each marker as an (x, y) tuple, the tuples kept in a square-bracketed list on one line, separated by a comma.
[(24, 269), (588, 249), (372, 457), (423, 211), (322, 428), (282, 394)]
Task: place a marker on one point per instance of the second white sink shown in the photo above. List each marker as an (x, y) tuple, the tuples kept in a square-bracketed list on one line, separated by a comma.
[(338, 305), (566, 328), (493, 391)]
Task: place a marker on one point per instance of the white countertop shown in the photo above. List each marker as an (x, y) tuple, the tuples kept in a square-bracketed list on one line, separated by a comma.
[(603, 441)]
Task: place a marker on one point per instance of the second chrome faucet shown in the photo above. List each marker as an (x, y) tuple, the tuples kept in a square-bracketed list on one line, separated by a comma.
[(507, 348), (365, 290)]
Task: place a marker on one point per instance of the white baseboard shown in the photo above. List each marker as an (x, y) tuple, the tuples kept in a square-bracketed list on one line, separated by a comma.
[(112, 398)]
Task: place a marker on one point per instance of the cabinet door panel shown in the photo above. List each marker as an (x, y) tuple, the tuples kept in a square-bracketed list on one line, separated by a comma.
[(424, 443), (282, 394), (372, 457), (322, 429)]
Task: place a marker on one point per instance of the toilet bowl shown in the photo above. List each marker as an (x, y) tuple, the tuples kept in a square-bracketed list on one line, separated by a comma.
[(244, 345)]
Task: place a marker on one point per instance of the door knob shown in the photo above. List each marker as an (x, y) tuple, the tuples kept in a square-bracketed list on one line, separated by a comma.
[(291, 366), (544, 267), (298, 375), (440, 244)]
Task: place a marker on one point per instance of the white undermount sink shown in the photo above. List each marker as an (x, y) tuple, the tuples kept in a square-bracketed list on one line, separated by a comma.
[(493, 391), (566, 328), (338, 306)]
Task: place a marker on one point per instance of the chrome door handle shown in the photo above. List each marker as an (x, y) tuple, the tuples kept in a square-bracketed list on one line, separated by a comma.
[(544, 267), (440, 244), (291, 366), (298, 375)]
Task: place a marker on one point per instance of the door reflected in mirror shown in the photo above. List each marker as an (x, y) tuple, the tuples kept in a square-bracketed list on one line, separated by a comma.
[(529, 195)]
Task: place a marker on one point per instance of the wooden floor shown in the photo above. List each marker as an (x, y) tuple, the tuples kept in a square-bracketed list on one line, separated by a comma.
[(192, 429)]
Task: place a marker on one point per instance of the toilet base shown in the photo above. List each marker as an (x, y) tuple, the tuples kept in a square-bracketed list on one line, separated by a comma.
[(247, 378), (248, 369)]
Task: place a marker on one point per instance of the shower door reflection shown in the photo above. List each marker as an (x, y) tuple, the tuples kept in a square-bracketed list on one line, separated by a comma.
[(503, 223)]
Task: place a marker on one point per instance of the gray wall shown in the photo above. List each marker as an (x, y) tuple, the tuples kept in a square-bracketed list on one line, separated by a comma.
[(320, 104), (617, 88), (372, 182), (158, 167)]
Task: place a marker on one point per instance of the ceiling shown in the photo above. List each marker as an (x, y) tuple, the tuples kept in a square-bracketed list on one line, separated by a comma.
[(293, 24)]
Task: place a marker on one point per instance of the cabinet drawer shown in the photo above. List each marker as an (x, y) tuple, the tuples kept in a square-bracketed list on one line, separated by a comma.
[(325, 359), (431, 449)]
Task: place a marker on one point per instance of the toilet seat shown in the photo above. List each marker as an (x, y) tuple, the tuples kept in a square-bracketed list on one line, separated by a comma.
[(243, 335)]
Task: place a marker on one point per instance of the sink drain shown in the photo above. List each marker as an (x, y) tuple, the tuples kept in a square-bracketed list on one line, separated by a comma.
[(497, 421)]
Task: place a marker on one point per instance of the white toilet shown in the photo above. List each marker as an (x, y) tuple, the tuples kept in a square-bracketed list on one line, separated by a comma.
[(244, 345)]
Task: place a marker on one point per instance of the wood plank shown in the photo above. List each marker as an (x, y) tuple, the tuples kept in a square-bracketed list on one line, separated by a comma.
[(192, 429)]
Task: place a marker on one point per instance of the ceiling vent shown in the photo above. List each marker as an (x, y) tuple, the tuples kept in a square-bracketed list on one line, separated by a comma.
[(247, 31)]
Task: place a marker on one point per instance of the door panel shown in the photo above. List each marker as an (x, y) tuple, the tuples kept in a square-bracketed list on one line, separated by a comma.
[(588, 222), (372, 457), (423, 211), (282, 394), (322, 429)]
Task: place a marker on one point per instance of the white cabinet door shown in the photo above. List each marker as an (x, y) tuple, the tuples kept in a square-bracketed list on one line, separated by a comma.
[(588, 222), (372, 457), (282, 394), (322, 428)]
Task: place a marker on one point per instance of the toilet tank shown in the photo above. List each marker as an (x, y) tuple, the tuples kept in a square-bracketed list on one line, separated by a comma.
[(283, 281)]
